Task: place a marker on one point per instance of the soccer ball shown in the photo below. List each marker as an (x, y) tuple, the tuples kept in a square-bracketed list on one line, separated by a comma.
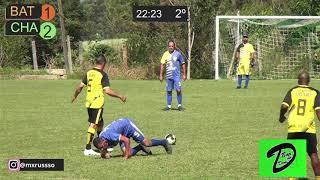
[(171, 139)]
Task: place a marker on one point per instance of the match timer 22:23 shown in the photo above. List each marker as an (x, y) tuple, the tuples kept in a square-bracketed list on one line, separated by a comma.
[(160, 13)]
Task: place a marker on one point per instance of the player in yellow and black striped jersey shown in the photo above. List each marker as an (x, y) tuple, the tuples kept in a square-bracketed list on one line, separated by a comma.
[(301, 103), (97, 83)]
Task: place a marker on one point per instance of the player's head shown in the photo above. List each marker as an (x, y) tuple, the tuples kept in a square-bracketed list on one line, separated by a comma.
[(101, 61), (303, 78), (245, 37), (100, 143), (171, 45)]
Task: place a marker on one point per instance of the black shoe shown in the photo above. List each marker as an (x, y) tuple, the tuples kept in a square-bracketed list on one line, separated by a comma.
[(238, 87), (167, 109), (146, 150), (168, 148), (246, 87), (180, 108)]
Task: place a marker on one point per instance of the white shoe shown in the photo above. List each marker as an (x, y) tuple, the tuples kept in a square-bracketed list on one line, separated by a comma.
[(90, 152), (110, 149)]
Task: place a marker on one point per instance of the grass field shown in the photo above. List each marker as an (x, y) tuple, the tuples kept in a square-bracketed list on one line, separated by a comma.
[(217, 134)]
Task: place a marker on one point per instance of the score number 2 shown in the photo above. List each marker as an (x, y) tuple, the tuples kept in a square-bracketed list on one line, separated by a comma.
[(179, 12)]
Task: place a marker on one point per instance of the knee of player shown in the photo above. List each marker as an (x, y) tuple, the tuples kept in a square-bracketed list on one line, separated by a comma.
[(93, 125), (169, 92), (179, 92)]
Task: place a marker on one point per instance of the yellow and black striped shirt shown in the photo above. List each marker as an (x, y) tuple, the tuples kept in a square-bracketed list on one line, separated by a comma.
[(96, 81), (302, 102)]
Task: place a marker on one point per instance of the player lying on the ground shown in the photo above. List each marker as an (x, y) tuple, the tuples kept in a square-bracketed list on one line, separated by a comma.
[(120, 131)]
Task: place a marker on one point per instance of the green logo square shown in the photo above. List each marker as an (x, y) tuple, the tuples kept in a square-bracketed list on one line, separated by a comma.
[(282, 158)]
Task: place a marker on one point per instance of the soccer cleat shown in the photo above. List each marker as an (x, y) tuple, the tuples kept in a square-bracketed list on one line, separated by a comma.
[(90, 152), (246, 87), (167, 109), (238, 87), (146, 150), (168, 148), (180, 108)]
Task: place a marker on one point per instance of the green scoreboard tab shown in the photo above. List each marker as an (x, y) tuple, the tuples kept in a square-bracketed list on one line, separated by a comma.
[(22, 27), (23, 11)]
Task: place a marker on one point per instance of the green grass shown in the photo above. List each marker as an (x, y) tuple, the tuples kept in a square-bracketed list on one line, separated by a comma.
[(217, 135)]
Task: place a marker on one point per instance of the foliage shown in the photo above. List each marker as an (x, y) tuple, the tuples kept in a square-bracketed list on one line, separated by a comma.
[(92, 20)]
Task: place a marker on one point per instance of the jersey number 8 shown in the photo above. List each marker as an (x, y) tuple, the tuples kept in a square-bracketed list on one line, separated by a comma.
[(301, 107)]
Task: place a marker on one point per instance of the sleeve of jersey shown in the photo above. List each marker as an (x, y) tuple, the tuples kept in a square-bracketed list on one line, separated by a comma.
[(182, 59), (84, 80), (317, 102), (105, 81), (164, 58), (287, 100)]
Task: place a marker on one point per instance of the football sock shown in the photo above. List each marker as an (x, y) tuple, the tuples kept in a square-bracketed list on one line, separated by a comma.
[(98, 133), (90, 135), (179, 98), (247, 80), (239, 80), (136, 149), (156, 142), (169, 98)]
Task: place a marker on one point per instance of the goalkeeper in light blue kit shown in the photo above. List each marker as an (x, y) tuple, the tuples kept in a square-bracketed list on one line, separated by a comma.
[(120, 132), (173, 60)]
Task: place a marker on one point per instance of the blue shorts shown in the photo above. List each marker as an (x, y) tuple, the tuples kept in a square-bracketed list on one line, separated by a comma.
[(173, 84), (134, 133)]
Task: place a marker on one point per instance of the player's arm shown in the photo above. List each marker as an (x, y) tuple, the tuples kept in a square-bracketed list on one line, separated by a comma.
[(317, 105), (162, 63), (237, 55), (77, 91), (284, 106), (112, 93), (106, 87), (283, 110), (79, 88), (184, 74), (126, 141), (184, 71), (252, 56), (161, 72)]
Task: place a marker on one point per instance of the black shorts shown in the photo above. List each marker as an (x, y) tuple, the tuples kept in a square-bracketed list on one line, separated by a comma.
[(95, 115), (311, 140)]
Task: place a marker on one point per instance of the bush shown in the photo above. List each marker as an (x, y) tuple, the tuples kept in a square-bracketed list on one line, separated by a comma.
[(102, 49)]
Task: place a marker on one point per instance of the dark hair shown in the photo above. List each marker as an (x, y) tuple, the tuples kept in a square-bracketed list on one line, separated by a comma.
[(101, 59), (96, 142), (171, 41)]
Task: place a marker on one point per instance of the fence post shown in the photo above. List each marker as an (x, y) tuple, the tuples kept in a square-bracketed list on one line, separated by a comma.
[(34, 55)]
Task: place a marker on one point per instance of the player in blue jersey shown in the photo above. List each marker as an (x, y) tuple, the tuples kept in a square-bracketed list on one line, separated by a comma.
[(120, 132), (173, 60)]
